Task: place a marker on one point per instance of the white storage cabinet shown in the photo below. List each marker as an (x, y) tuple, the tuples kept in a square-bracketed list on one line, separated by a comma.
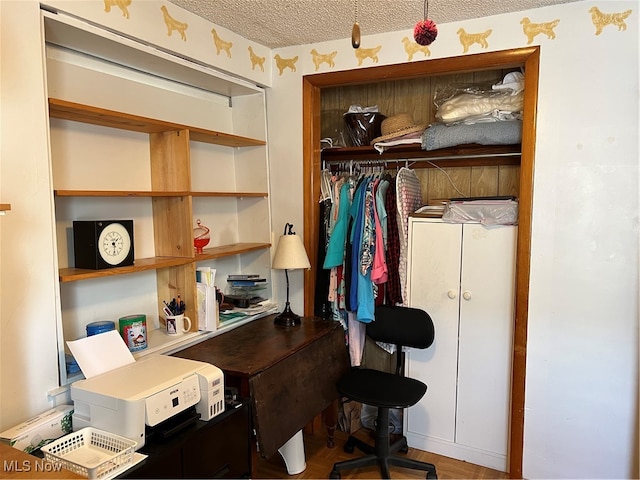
[(463, 275)]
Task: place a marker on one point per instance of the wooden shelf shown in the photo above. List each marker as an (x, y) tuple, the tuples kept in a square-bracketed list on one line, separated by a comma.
[(140, 265), (460, 155), (230, 194), (5, 207), (228, 250), (116, 193), (124, 121), (147, 193)]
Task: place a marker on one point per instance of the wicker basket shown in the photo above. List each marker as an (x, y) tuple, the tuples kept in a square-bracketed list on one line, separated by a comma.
[(91, 452)]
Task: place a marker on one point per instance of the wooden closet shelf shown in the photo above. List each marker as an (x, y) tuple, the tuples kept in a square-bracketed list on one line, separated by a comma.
[(460, 155), (109, 118)]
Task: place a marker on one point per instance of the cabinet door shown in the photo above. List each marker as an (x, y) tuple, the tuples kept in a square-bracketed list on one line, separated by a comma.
[(434, 279), (221, 450), (485, 337)]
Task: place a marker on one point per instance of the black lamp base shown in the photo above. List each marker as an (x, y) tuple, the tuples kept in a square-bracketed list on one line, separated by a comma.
[(287, 318)]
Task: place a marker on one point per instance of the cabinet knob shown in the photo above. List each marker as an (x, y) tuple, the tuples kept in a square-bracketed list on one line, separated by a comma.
[(466, 295), (451, 294)]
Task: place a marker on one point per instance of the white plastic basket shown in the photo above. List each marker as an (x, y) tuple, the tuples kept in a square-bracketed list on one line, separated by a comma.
[(90, 452)]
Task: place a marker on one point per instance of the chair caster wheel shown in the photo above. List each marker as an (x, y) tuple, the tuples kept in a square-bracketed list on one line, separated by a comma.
[(348, 448), (430, 475), (334, 474)]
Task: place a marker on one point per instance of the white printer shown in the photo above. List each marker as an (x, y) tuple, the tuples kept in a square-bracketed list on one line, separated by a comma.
[(147, 392)]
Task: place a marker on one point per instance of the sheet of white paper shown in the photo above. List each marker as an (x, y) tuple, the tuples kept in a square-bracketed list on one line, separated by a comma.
[(100, 353)]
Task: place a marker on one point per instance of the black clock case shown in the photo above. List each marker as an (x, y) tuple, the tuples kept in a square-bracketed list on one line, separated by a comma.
[(85, 243)]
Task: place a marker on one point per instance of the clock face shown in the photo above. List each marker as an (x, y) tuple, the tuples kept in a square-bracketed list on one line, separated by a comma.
[(114, 243)]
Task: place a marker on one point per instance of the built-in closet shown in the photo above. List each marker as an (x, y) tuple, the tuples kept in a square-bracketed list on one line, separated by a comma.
[(476, 171)]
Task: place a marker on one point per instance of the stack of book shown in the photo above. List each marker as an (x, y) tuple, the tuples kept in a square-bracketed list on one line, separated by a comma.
[(246, 285), (248, 280)]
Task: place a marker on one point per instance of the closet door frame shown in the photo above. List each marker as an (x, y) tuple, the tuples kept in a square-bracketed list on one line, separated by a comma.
[(529, 58)]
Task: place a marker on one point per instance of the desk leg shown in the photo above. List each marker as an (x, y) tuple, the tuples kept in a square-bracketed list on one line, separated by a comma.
[(330, 415)]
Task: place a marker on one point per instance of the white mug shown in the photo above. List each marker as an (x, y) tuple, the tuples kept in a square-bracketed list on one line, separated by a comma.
[(178, 324)]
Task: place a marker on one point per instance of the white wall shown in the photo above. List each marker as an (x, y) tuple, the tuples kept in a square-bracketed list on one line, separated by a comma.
[(581, 408), (582, 364), (28, 274)]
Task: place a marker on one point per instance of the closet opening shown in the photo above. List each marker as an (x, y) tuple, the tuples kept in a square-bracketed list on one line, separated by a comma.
[(411, 82)]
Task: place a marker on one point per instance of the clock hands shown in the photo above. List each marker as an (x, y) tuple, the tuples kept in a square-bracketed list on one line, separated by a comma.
[(113, 240)]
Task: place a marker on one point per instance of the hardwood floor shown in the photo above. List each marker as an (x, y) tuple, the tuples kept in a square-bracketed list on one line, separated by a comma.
[(320, 460)]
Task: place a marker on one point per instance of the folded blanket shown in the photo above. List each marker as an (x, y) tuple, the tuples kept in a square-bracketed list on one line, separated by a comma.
[(493, 133)]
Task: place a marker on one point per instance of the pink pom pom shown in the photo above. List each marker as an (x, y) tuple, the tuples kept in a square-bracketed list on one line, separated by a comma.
[(425, 32)]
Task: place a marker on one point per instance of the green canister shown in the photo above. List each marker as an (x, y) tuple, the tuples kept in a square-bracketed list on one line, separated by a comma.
[(133, 329)]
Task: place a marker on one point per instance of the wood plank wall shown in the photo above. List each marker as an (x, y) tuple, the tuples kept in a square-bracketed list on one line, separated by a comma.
[(416, 97)]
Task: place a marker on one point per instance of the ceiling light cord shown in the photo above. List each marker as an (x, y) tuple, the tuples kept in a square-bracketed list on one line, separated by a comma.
[(355, 32)]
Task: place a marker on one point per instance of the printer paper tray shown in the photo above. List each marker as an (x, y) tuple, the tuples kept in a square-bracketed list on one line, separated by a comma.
[(173, 425)]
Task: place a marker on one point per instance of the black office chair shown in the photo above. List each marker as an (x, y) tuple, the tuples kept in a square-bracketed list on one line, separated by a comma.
[(404, 327)]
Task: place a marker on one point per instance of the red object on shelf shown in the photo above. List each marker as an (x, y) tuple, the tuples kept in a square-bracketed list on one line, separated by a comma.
[(201, 237)]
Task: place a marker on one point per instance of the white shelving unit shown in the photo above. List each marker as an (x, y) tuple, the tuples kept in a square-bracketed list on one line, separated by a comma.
[(165, 144)]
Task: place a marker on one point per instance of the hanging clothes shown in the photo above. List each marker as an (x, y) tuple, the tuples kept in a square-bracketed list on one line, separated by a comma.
[(365, 242)]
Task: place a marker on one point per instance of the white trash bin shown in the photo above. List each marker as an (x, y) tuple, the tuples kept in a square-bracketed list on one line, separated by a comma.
[(293, 454)]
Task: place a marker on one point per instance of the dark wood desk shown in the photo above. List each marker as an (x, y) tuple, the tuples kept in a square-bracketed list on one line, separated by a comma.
[(289, 373)]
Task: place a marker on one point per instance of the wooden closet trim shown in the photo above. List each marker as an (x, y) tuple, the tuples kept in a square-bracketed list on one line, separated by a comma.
[(529, 58)]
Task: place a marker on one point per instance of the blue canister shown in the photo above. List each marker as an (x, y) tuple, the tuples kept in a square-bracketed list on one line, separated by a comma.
[(95, 328)]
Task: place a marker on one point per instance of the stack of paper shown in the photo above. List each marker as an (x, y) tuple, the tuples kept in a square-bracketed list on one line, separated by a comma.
[(208, 316)]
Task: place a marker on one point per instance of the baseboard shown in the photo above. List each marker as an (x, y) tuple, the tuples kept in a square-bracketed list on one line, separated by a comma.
[(460, 452)]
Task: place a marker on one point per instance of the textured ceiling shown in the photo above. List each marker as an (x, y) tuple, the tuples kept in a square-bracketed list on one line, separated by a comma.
[(282, 23)]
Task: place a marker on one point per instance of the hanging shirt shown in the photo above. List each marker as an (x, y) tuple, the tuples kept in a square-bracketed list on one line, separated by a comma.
[(381, 193), (379, 269), (356, 214), (337, 241), (393, 288), (365, 289), (409, 198)]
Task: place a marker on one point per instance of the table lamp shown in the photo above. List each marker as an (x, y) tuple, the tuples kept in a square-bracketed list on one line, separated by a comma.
[(290, 255)]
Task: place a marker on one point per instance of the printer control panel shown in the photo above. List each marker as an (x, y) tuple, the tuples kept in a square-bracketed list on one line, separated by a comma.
[(164, 404)]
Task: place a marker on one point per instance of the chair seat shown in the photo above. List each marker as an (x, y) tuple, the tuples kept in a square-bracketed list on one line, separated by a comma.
[(381, 389)]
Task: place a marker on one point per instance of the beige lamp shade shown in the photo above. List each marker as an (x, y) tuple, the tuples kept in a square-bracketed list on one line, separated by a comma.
[(290, 254)]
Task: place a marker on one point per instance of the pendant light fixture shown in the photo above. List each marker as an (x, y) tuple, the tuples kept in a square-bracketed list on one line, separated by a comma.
[(425, 31), (355, 31)]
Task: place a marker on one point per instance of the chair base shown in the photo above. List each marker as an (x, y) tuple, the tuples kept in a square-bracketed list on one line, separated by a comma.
[(382, 454)]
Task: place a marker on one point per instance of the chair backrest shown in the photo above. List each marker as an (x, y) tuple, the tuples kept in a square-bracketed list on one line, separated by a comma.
[(402, 326)]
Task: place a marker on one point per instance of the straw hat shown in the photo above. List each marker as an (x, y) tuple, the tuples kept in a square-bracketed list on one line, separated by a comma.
[(397, 126)]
